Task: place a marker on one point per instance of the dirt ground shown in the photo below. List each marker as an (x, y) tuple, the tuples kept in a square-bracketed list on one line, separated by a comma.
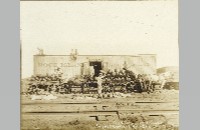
[(155, 111)]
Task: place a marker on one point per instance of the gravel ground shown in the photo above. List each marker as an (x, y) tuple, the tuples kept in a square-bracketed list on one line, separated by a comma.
[(80, 112)]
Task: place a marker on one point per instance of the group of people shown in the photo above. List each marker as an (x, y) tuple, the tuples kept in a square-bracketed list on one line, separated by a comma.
[(44, 83), (122, 80)]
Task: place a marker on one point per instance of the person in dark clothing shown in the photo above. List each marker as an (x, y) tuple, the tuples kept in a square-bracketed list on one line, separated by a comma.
[(129, 73), (138, 86)]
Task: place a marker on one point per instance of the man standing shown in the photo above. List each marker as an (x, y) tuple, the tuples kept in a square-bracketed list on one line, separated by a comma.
[(99, 83)]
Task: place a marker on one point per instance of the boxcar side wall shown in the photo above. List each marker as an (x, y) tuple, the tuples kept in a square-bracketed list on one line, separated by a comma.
[(47, 64)]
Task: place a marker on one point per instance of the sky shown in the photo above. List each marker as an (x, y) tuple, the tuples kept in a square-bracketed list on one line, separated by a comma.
[(99, 28)]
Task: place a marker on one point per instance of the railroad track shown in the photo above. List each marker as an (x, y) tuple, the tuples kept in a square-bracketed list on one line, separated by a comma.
[(99, 109), (59, 115)]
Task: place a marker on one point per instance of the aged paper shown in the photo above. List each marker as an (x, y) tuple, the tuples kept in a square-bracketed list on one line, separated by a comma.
[(89, 65)]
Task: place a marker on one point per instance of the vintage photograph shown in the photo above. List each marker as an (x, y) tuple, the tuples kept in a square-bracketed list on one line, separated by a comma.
[(99, 65)]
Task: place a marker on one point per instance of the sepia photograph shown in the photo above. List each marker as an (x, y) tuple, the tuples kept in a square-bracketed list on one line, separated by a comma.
[(99, 65)]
